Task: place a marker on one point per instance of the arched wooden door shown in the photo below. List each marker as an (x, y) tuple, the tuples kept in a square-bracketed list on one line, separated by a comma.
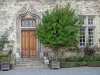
[(28, 41)]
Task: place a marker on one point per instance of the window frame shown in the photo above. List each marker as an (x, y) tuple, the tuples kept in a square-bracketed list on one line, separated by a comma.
[(91, 36), (83, 20), (28, 26), (82, 37), (90, 20)]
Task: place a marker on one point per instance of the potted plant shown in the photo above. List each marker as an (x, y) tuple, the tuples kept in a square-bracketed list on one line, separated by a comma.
[(59, 28), (5, 54), (5, 66)]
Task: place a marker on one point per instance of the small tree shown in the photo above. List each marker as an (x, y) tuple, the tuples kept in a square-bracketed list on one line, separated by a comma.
[(4, 40), (4, 37), (59, 27)]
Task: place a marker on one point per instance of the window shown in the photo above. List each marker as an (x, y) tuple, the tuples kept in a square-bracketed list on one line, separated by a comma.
[(82, 38), (87, 29), (90, 20), (82, 19), (28, 23), (91, 36)]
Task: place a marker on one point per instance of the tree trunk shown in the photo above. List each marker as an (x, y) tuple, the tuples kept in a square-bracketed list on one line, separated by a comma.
[(56, 54)]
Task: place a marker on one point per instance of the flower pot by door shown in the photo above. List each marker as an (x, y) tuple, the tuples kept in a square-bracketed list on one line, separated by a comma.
[(5, 66), (55, 64)]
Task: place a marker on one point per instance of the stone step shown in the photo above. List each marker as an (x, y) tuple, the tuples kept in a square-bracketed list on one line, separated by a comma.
[(31, 66), (29, 60), (34, 58), (36, 67), (30, 63)]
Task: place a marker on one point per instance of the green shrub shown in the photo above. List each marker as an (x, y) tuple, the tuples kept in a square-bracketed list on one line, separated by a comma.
[(74, 59), (79, 64), (67, 64), (89, 58), (72, 64), (93, 61), (62, 59), (94, 64), (97, 58), (79, 59), (11, 66), (86, 58), (3, 54), (4, 39), (70, 59), (89, 50), (5, 59)]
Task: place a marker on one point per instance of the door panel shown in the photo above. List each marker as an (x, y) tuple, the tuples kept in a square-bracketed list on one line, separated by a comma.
[(32, 44), (28, 43)]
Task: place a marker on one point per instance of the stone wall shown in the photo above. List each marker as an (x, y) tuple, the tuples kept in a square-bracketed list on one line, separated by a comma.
[(11, 9)]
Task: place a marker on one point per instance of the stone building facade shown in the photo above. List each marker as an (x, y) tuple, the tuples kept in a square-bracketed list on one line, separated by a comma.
[(16, 13)]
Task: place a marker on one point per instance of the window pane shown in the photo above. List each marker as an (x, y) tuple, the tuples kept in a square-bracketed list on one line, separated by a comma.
[(23, 23), (31, 23), (89, 23), (89, 40), (82, 20), (84, 44), (26, 24), (80, 44), (91, 36), (90, 20), (34, 23), (82, 38), (92, 43), (92, 40)]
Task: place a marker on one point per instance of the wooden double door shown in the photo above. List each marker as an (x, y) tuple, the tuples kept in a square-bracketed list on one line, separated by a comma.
[(28, 43)]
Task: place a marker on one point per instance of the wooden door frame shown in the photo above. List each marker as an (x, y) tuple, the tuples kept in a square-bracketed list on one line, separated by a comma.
[(27, 28), (29, 44)]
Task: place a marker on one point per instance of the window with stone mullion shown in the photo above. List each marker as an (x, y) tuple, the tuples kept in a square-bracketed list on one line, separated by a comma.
[(82, 38), (90, 20), (28, 23), (91, 36), (82, 19)]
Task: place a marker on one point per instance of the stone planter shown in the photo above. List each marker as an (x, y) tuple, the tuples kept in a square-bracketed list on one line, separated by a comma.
[(5, 66), (54, 64)]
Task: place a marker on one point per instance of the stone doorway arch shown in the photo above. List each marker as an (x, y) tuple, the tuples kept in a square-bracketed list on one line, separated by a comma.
[(28, 14)]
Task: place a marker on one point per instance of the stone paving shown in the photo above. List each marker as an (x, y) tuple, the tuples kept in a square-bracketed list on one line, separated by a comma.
[(66, 71)]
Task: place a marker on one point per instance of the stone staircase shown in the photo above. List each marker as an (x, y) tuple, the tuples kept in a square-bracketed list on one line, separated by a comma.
[(30, 63)]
